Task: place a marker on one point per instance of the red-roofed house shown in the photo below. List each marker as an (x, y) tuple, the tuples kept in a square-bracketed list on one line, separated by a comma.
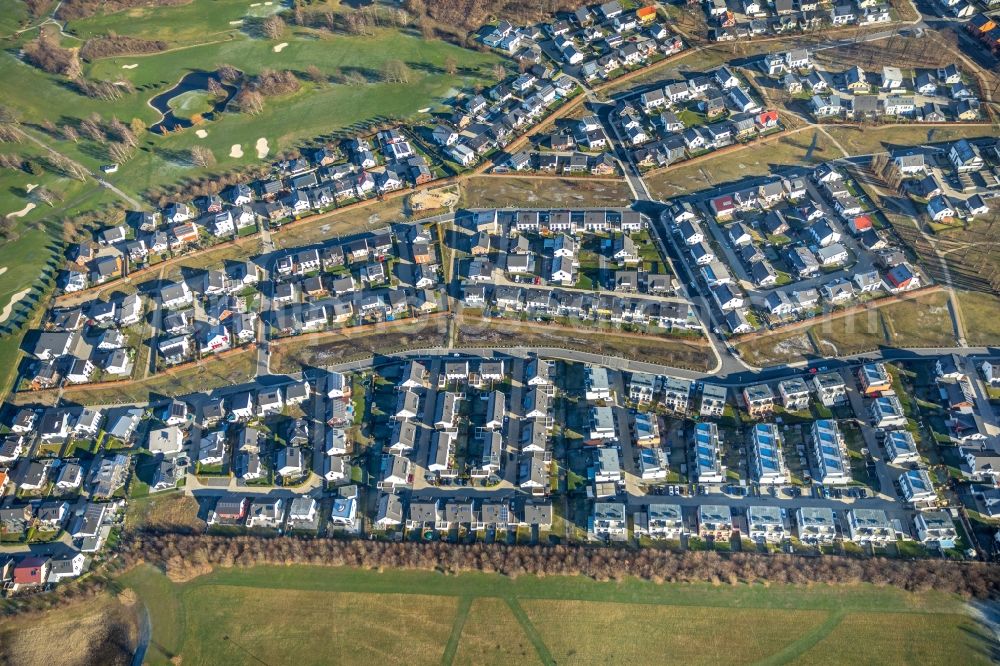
[(645, 14), (723, 207), (768, 119), (31, 572), (901, 278), (860, 224)]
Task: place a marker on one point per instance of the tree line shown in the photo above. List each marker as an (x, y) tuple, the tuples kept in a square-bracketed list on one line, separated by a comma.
[(116, 45), (77, 9), (185, 556)]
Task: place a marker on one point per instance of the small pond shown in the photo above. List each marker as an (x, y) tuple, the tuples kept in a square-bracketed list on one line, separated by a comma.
[(193, 82)]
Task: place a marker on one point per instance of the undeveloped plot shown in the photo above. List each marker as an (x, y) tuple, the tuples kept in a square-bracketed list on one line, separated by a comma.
[(96, 631), (924, 321), (850, 334), (672, 352), (170, 513), (292, 354), (981, 315), (762, 351), (213, 373), (808, 146), (431, 199), (544, 192)]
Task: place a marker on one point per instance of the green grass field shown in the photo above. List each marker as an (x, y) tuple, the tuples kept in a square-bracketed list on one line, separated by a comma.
[(311, 615), (187, 105), (203, 34)]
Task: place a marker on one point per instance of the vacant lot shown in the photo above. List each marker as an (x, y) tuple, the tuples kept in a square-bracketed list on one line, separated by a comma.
[(921, 321), (809, 146), (765, 350), (413, 617), (924, 321), (98, 631), (653, 349), (863, 141), (324, 349), (543, 192), (353, 220), (981, 314), (173, 511), (211, 373)]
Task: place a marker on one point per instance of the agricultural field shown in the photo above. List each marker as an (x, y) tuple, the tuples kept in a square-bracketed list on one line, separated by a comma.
[(544, 192), (485, 618)]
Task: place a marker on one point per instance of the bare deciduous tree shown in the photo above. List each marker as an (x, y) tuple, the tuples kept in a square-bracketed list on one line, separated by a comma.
[(396, 71), (274, 26), (202, 156)]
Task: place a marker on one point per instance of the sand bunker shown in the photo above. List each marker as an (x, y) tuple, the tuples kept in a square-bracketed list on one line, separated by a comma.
[(236, 150), (201, 134), (238, 22), (262, 148), (28, 188), (278, 47), (3, 270), (132, 66), (5, 315), (424, 110), (24, 211)]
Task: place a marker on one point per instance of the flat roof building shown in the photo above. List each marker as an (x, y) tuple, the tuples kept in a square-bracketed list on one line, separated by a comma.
[(828, 448), (708, 459), (767, 462)]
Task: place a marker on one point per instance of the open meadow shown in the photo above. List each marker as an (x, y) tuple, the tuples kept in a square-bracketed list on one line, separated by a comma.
[(430, 618)]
